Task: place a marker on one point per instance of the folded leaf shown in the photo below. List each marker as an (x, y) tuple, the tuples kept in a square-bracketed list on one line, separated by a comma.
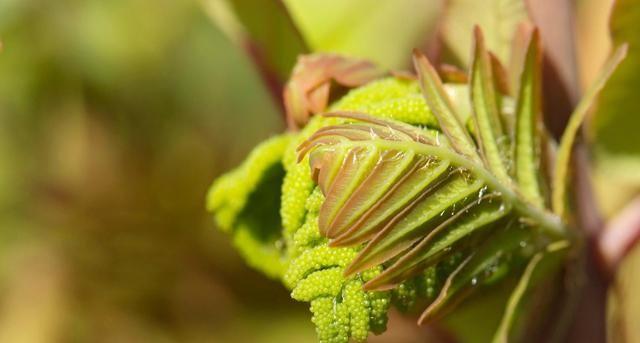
[(480, 266), (493, 142), (309, 88), (440, 105), (405, 194), (528, 117), (478, 216)]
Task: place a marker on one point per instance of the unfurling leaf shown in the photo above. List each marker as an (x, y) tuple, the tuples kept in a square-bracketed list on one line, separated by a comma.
[(405, 193), (413, 196), (309, 88), (440, 105), (407, 190)]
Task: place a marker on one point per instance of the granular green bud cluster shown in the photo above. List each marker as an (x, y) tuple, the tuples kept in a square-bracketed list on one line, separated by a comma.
[(245, 203), (390, 98), (299, 255), (341, 309), (405, 191), (287, 244)]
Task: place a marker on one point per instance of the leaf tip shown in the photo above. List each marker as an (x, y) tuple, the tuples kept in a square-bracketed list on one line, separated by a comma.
[(420, 61), (351, 269), (477, 34)]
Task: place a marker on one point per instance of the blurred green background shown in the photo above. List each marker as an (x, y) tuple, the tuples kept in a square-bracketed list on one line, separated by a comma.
[(115, 116)]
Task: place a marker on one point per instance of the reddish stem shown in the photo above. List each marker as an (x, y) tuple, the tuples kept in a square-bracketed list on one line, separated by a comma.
[(619, 237)]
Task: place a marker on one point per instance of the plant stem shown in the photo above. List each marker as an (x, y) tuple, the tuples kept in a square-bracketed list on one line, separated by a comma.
[(589, 324)]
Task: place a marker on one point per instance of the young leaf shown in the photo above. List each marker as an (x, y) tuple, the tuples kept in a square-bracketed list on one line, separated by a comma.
[(422, 217), (527, 146), (476, 216), (425, 194), (530, 277), (308, 90), (441, 106), (500, 75), (492, 139), (472, 272), (558, 199)]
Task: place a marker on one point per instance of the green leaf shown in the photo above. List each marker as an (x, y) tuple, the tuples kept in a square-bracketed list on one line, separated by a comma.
[(380, 31), (563, 159), (528, 117), (440, 105), (494, 143), (421, 217), (532, 275), (479, 215), (263, 28), (405, 193), (498, 19), (493, 254)]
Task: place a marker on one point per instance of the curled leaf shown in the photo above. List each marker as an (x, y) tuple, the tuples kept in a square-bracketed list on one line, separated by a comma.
[(309, 88), (403, 192)]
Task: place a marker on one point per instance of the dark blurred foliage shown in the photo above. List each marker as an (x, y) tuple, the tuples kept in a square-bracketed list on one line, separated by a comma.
[(114, 118)]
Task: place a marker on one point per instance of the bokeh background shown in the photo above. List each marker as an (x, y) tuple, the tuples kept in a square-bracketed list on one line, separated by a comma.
[(115, 117)]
